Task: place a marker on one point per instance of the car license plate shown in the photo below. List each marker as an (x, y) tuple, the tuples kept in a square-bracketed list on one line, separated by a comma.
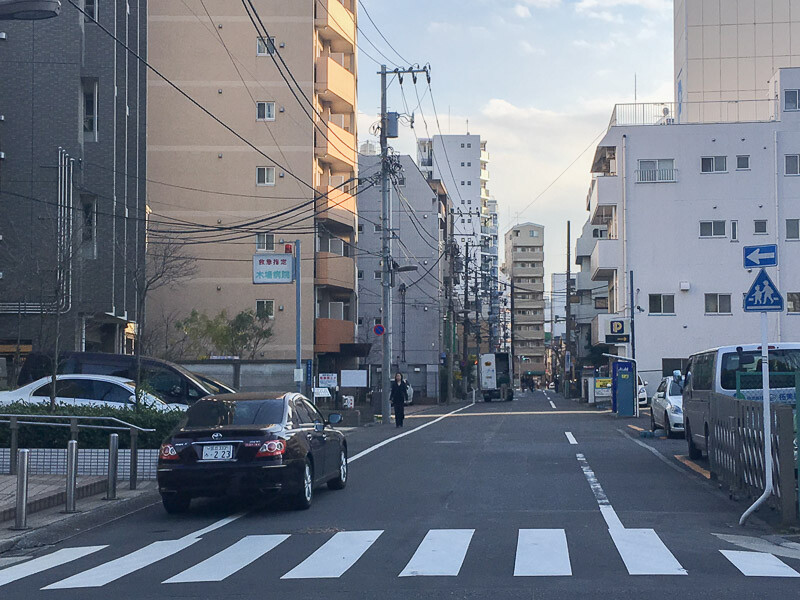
[(218, 452)]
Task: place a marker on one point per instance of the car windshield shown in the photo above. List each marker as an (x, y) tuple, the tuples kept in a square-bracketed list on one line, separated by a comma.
[(748, 365), (675, 389), (217, 412)]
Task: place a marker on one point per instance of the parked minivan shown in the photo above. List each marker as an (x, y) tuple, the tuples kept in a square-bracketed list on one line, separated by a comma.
[(733, 371), (170, 382)]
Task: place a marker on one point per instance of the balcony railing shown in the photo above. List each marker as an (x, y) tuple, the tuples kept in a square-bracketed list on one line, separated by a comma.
[(672, 113), (656, 175)]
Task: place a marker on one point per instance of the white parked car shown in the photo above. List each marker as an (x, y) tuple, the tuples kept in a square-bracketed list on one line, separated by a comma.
[(642, 393), (667, 406), (86, 390)]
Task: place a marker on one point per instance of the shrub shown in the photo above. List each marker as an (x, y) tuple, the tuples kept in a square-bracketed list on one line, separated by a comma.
[(40, 436)]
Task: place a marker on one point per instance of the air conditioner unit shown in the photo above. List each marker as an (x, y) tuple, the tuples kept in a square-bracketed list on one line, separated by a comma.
[(685, 286)]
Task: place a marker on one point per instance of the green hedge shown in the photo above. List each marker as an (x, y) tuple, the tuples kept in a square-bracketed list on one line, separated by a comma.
[(38, 436)]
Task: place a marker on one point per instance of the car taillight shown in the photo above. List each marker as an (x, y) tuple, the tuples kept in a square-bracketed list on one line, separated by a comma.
[(168, 452), (271, 448)]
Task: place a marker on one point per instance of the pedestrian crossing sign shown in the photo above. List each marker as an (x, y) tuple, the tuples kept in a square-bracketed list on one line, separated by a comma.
[(763, 295)]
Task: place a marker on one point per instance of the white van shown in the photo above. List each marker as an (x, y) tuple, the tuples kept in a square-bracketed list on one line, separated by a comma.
[(733, 371)]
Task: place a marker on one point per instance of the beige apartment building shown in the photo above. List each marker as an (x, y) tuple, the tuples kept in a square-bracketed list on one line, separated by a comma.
[(214, 53), (524, 266)]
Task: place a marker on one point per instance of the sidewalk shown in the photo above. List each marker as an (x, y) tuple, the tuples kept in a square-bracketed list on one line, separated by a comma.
[(44, 491)]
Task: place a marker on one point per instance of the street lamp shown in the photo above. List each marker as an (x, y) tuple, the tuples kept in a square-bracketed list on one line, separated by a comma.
[(29, 10)]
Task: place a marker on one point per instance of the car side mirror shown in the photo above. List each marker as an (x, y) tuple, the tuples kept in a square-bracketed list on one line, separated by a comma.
[(334, 418), (319, 426)]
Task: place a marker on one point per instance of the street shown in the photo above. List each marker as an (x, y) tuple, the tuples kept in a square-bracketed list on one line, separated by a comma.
[(503, 500)]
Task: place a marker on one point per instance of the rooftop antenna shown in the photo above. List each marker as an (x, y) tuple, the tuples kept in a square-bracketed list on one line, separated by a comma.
[(467, 126), (635, 89)]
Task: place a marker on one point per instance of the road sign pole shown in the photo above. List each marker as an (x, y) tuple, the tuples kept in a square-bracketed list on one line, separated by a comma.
[(767, 418), (298, 347)]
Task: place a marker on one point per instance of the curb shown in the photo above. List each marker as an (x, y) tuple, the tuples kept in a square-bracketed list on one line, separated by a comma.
[(43, 503)]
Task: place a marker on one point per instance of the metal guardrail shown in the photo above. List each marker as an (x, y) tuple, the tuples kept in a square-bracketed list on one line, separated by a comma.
[(75, 425), (736, 451)]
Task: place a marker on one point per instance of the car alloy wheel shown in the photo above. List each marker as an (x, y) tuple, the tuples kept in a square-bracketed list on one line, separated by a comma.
[(338, 482), (308, 484)]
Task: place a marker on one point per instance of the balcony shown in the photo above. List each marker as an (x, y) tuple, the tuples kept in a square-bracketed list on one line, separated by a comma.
[(484, 174), (339, 147), (336, 205), (527, 271), (606, 259), (335, 271), (585, 245), (336, 85), (530, 303), (671, 113), (484, 156), (529, 319), (656, 175), (336, 24), (332, 332)]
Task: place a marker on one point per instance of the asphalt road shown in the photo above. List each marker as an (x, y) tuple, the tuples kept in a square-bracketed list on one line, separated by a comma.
[(494, 501)]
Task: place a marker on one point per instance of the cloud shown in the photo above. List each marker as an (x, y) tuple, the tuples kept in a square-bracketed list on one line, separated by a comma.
[(522, 11), (527, 48), (543, 3)]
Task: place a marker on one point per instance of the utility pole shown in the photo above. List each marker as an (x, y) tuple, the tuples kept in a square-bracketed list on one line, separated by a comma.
[(386, 256), (465, 349), (388, 130), (451, 323), (568, 333), (513, 335)]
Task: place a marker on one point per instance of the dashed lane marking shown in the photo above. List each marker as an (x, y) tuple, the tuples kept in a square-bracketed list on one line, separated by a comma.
[(571, 438), (553, 404)]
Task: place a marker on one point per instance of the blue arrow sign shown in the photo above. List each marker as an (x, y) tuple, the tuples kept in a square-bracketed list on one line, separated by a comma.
[(760, 256), (763, 295)]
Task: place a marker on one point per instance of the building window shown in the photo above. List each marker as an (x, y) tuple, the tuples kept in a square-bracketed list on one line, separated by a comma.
[(714, 164), (790, 100), (718, 304), (469, 164), (469, 182), (462, 164), (265, 309), (360, 274), (793, 229), (265, 111), (265, 46), (90, 10), (760, 227), (462, 145), (462, 183), (793, 302), (469, 145), (734, 231), (360, 228), (265, 242), (661, 304), (376, 275), (377, 321), (792, 164), (743, 163), (377, 227), (601, 303), (89, 227), (89, 110), (360, 320), (655, 170), (265, 175), (712, 228)]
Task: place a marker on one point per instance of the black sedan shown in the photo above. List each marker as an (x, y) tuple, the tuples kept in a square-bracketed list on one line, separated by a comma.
[(249, 444)]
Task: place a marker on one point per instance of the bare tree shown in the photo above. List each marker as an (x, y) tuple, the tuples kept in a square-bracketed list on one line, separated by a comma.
[(166, 262)]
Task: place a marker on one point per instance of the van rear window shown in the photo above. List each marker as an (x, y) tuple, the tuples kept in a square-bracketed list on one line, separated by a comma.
[(748, 365)]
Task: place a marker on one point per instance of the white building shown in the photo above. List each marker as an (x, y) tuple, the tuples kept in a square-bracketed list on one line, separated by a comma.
[(680, 202), (727, 50)]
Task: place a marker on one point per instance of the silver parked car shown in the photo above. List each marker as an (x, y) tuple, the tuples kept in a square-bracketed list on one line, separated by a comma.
[(667, 406)]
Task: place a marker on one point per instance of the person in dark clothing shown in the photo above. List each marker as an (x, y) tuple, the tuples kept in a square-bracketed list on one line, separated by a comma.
[(399, 395)]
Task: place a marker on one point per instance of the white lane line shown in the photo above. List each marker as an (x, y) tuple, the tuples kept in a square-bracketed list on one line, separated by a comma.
[(234, 558), (571, 438), (552, 404), (644, 553), (335, 556), (759, 564), (405, 433), (37, 565), (137, 560), (125, 565), (441, 553), (542, 553), (641, 550)]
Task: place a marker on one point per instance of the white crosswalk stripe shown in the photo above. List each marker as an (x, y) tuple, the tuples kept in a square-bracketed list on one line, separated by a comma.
[(335, 556), (43, 563), (542, 553), (234, 558), (125, 565), (441, 553), (644, 553), (759, 564)]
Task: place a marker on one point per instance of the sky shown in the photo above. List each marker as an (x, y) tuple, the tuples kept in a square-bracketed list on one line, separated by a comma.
[(537, 79)]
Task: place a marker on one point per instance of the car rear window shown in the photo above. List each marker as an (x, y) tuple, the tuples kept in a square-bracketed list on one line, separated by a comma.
[(216, 413), (782, 366)]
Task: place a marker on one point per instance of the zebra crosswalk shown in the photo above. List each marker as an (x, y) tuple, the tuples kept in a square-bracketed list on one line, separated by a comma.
[(439, 553)]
